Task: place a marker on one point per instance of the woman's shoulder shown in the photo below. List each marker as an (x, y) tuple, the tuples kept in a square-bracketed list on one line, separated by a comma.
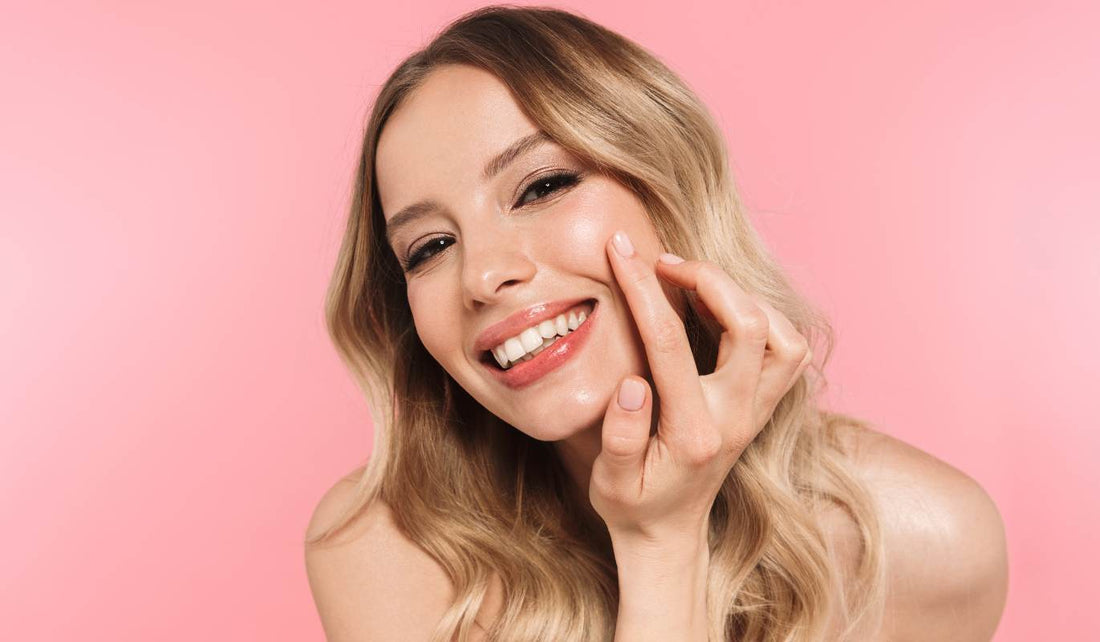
[(339, 499), (944, 540), (370, 581)]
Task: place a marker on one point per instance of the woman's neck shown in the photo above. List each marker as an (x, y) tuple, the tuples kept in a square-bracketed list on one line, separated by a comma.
[(576, 454)]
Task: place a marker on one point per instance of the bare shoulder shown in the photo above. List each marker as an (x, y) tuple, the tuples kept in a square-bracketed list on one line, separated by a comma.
[(371, 582), (946, 555)]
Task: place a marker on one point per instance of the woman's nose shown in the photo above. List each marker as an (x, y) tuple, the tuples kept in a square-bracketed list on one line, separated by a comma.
[(493, 265)]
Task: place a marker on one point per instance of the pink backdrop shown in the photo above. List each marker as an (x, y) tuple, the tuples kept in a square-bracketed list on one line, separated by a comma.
[(173, 182)]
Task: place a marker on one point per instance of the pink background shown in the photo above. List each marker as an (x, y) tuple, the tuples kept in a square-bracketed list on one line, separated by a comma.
[(173, 183)]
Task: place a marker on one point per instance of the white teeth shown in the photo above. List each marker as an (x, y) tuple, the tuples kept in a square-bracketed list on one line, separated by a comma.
[(537, 338), (547, 329), (561, 326), (500, 356), (513, 348), (546, 343), (531, 339)]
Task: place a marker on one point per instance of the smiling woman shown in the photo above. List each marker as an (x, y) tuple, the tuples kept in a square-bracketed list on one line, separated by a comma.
[(581, 435)]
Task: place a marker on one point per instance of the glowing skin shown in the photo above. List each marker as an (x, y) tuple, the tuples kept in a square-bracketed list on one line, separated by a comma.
[(503, 257)]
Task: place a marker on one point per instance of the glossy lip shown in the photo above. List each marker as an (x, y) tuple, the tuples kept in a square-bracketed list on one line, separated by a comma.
[(527, 372), (511, 326)]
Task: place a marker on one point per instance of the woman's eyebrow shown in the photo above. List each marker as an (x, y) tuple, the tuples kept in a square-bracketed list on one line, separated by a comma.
[(495, 166)]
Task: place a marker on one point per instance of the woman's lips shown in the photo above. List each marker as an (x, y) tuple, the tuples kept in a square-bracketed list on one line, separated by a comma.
[(551, 358), (497, 333)]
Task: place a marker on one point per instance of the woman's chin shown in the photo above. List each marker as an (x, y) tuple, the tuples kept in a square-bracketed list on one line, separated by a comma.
[(560, 427), (560, 415)]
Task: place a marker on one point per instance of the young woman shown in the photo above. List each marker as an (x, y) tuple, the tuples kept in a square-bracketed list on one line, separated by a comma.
[(579, 434)]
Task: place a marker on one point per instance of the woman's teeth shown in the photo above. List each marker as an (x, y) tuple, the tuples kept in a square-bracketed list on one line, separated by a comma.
[(535, 339)]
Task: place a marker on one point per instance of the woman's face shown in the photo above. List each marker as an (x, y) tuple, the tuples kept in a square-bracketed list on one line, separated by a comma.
[(497, 245)]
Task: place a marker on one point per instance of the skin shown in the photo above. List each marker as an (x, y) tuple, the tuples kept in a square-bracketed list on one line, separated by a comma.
[(503, 258), (650, 473), (653, 489)]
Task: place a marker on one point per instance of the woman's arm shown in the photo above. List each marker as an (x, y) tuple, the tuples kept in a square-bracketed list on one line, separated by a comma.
[(662, 592)]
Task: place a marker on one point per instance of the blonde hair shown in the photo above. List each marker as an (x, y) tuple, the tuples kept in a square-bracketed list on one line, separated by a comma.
[(483, 498)]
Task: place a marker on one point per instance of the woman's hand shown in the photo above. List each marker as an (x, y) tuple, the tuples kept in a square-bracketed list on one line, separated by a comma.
[(659, 488)]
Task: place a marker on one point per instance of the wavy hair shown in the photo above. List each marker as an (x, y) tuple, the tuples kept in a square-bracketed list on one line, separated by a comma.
[(483, 498)]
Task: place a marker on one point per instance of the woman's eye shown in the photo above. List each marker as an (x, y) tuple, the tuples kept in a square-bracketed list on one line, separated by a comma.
[(548, 185), (426, 251), (540, 188)]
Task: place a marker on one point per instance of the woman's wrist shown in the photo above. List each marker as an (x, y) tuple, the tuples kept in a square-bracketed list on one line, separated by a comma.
[(638, 551), (662, 589)]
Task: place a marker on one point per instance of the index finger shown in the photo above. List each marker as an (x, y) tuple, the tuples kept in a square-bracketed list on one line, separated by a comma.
[(666, 344)]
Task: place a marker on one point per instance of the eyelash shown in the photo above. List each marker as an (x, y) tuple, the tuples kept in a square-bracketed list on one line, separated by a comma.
[(561, 180)]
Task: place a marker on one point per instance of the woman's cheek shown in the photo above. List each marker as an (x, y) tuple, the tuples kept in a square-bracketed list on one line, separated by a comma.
[(579, 237), (428, 324)]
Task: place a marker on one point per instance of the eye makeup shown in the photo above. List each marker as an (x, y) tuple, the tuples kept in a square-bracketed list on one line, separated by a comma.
[(546, 185)]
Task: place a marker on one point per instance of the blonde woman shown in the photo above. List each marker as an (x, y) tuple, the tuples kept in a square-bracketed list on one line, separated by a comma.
[(594, 391)]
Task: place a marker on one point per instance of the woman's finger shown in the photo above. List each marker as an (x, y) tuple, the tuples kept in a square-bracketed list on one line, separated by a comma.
[(671, 362), (618, 470), (746, 328), (787, 357), (785, 351)]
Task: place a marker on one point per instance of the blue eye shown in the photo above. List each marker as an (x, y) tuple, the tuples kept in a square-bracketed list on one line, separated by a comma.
[(544, 185)]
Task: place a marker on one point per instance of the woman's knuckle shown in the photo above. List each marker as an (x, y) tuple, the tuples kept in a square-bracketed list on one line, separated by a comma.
[(667, 334), (704, 449), (642, 276), (753, 321), (796, 349), (711, 270), (609, 492), (732, 448)]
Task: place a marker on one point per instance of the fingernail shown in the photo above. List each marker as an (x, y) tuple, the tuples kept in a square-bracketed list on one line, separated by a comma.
[(622, 244), (669, 258), (631, 394)]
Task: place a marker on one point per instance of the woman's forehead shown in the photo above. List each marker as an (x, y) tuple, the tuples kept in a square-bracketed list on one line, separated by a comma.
[(448, 128), (456, 110)]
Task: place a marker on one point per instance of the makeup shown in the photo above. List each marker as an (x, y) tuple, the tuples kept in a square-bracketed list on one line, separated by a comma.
[(562, 351)]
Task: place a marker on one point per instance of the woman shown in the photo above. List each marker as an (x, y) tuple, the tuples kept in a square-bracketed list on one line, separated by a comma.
[(576, 440)]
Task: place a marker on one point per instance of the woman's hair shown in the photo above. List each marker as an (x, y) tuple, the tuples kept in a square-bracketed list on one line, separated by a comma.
[(483, 498)]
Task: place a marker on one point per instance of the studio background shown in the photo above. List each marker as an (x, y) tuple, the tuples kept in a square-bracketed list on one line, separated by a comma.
[(174, 178)]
